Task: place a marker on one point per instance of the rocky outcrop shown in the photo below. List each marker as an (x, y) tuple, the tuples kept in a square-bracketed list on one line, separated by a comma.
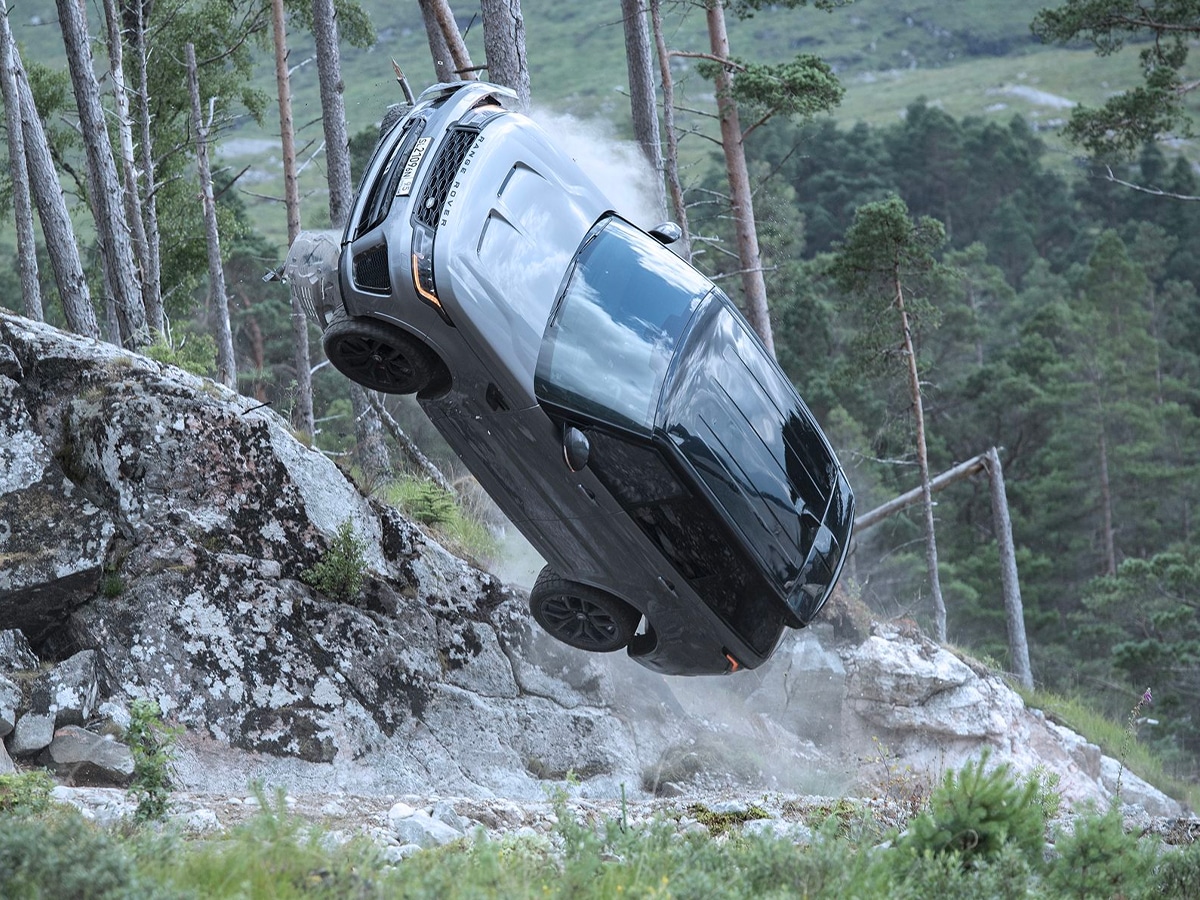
[(155, 534), (926, 711)]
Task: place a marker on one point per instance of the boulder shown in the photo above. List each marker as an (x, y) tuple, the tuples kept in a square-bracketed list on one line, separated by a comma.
[(87, 758), (32, 734), (69, 690), (6, 763), (10, 702)]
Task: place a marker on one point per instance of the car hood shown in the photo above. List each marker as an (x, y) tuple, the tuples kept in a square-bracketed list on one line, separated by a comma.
[(515, 227)]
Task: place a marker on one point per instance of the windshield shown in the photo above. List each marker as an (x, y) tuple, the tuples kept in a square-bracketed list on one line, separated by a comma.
[(611, 337)]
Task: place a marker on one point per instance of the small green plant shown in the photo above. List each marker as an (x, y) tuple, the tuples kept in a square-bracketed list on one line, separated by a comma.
[(25, 793), (431, 505), (343, 569), (195, 353), (112, 585), (721, 822), (1098, 859), (152, 743), (976, 812)]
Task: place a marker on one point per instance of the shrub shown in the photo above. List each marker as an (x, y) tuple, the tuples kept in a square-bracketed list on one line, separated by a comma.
[(1098, 859), (25, 793), (343, 569), (974, 813), (152, 743)]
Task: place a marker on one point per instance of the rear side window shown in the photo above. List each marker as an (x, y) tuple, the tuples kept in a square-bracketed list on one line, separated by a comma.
[(610, 340), (682, 524)]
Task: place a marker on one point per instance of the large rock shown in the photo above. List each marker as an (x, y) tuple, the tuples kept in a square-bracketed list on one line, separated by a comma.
[(213, 514), (928, 712), (86, 758), (15, 653)]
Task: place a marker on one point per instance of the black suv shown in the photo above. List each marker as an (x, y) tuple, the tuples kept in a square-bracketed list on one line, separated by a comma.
[(610, 398)]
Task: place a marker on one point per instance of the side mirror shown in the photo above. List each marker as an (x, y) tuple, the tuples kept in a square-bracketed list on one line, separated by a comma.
[(666, 233), (576, 448)]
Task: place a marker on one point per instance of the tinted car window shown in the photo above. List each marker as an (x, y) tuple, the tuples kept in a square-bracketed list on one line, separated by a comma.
[(611, 337)]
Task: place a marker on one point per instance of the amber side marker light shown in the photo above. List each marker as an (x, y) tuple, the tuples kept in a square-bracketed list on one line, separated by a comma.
[(734, 665)]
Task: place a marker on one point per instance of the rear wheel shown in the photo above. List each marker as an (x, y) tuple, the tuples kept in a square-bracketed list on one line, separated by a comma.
[(580, 615), (379, 356)]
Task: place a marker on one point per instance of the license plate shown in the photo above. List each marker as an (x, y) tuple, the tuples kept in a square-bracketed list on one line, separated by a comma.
[(410, 167)]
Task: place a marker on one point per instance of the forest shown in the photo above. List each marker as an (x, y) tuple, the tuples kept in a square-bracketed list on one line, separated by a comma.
[(1053, 309)]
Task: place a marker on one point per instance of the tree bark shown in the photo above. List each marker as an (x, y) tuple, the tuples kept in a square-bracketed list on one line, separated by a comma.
[(671, 162), (124, 128), (1014, 612), (112, 226), (754, 288), (439, 49), (27, 267), (57, 229), (291, 196), (333, 111), (504, 47), (1106, 505), (152, 277), (459, 57), (914, 387), (642, 99), (226, 365)]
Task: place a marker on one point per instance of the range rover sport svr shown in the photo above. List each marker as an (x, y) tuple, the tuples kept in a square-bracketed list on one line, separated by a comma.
[(610, 398)]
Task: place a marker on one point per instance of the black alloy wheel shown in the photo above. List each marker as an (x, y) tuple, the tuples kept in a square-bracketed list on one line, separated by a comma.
[(582, 616), (379, 356)]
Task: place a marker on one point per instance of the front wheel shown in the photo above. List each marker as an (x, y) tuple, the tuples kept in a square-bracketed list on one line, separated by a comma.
[(580, 615), (379, 356)]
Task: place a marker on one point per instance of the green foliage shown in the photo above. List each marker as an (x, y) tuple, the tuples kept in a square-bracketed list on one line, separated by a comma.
[(66, 858), (460, 527), (193, 352), (152, 743), (802, 87), (1099, 859), (25, 793), (1142, 114), (342, 571), (976, 812)]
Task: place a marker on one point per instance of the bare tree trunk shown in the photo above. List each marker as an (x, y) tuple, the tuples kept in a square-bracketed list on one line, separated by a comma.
[(642, 100), (57, 229), (1110, 547), (112, 227), (1014, 612), (291, 196), (459, 57), (124, 129), (754, 288), (419, 460), (671, 163), (31, 289), (914, 387), (443, 61), (504, 47), (372, 452), (333, 111), (226, 365), (152, 277)]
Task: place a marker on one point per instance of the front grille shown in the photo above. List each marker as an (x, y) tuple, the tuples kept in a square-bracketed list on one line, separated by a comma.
[(441, 175), (371, 270)]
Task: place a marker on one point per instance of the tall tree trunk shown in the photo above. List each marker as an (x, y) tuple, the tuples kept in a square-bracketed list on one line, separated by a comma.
[(754, 288), (1014, 611), (459, 57), (642, 100), (124, 129), (57, 229), (291, 196), (1106, 504), (914, 387), (226, 365), (112, 227), (439, 49), (671, 163), (31, 289), (372, 452), (137, 12), (504, 47)]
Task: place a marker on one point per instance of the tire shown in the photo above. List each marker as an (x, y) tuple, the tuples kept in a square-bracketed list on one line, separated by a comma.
[(379, 356), (582, 616)]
